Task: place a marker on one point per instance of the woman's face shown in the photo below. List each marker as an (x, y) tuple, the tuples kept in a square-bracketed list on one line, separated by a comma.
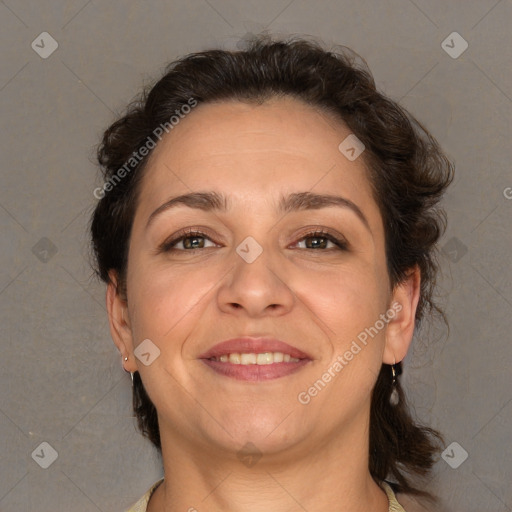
[(258, 271)]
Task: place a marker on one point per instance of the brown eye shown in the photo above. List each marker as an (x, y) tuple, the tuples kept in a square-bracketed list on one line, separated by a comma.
[(190, 240), (321, 239)]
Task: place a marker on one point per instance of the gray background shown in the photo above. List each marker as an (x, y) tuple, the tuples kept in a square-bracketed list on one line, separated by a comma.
[(61, 376)]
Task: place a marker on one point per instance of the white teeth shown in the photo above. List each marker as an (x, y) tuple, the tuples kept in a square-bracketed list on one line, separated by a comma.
[(278, 357), (259, 359), (234, 358), (266, 358), (247, 358)]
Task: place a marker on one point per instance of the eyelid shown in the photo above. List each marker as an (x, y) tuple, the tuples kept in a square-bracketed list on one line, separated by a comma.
[(315, 229)]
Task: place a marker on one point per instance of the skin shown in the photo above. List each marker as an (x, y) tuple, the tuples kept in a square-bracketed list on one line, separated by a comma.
[(314, 456)]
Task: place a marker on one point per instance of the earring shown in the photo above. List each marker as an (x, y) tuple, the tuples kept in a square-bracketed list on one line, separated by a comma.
[(394, 398), (131, 373)]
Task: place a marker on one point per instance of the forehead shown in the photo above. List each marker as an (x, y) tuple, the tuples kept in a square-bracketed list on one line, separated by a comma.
[(282, 125), (254, 152)]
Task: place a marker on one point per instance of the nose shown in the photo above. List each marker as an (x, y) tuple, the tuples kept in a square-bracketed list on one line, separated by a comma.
[(256, 288)]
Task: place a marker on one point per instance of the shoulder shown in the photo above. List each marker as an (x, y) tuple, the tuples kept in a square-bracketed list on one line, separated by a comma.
[(411, 504), (401, 502), (142, 504)]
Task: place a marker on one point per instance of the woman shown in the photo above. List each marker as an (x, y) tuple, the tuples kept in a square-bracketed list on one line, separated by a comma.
[(267, 231)]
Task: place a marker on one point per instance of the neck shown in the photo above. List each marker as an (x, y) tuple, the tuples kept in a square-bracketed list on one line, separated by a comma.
[(315, 476)]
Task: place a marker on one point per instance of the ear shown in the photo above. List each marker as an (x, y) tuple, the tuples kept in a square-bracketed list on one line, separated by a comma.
[(119, 321), (400, 329)]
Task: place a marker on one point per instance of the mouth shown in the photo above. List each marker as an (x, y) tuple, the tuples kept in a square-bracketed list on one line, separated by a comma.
[(260, 359), (254, 359)]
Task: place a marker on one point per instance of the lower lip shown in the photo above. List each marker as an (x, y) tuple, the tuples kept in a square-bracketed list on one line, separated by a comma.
[(255, 372)]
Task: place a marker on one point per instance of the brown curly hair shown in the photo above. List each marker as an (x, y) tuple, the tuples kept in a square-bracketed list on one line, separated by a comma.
[(407, 170)]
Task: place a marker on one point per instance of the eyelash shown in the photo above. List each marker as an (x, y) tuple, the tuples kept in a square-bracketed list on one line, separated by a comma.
[(167, 246)]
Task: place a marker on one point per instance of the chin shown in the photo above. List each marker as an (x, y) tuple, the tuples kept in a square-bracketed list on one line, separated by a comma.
[(262, 431)]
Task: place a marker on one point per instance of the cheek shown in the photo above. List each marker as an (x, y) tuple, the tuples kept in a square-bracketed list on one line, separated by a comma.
[(154, 312), (166, 301), (349, 303), (347, 299)]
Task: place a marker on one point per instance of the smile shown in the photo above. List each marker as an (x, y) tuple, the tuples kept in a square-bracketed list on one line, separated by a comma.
[(263, 358), (254, 359)]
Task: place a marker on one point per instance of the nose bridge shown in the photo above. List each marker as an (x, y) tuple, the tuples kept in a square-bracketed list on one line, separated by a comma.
[(255, 283)]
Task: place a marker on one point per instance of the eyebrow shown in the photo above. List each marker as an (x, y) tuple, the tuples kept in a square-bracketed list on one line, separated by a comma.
[(297, 201)]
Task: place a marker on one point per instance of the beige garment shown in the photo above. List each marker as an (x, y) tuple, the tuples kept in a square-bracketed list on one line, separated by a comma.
[(142, 504)]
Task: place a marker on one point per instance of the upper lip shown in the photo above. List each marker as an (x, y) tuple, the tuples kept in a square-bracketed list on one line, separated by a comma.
[(250, 345)]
